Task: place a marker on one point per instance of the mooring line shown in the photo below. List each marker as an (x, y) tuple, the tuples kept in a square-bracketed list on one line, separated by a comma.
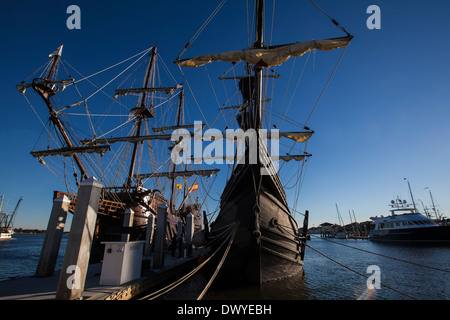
[(363, 275), (382, 255), (176, 283), (219, 266)]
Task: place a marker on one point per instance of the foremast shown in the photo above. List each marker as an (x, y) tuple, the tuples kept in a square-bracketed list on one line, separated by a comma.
[(46, 88)]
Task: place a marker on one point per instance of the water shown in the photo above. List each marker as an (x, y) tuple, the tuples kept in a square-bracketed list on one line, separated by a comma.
[(322, 278), (325, 279), (19, 256)]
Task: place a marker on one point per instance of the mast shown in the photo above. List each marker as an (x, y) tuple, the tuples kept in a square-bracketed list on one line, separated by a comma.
[(432, 201), (174, 167), (138, 111), (259, 43), (45, 90), (412, 198), (14, 212)]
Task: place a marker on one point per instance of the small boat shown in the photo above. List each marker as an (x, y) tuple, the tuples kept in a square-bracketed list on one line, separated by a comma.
[(6, 221), (409, 226)]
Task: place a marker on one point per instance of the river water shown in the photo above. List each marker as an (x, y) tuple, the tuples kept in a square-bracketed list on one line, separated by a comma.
[(322, 278)]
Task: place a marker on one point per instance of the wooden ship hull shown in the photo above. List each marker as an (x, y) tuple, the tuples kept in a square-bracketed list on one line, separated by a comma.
[(267, 244)]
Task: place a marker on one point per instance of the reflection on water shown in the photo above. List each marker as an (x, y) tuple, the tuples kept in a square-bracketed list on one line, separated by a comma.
[(323, 279)]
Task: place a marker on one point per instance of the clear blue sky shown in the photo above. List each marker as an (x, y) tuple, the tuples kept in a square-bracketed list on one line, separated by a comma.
[(385, 115)]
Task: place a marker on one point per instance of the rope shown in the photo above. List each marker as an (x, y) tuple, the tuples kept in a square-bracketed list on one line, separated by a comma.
[(45, 127), (382, 255), (332, 20), (326, 85), (143, 55), (175, 284), (200, 297), (115, 65), (200, 30), (363, 275)]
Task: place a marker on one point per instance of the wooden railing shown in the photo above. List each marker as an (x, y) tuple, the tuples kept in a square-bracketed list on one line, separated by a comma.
[(105, 207)]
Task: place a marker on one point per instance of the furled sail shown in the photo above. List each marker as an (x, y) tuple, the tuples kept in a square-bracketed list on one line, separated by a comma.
[(290, 157), (267, 57)]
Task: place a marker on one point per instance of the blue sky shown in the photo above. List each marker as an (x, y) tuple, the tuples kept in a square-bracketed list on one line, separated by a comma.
[(383, 117)]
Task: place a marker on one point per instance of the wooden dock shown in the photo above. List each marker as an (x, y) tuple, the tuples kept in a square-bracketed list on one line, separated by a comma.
[(34, 288)]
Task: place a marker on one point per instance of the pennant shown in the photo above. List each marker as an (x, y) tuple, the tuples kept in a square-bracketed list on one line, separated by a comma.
[(179, 186), (195, 187), (56, 52)]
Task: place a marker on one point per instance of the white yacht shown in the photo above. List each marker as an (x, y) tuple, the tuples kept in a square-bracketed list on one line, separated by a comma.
[(408, 225)]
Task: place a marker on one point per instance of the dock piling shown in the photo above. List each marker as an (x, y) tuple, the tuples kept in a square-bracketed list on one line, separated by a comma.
[(189, 234), (53, 236), (76, 258), (149, 235), (160, 236), (127, 223)]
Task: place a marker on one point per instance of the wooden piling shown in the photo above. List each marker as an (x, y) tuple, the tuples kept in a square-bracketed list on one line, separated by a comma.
[(127, 223), (149, 235), (189, 233), (160, 236), (76, 258), (53, 236)]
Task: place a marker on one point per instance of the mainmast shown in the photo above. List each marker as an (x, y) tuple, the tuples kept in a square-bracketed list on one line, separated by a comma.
[(174, 167), (141, 112), (258, 69)]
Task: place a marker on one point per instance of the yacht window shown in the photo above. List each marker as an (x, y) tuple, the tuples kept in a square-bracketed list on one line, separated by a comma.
[(397, 224)]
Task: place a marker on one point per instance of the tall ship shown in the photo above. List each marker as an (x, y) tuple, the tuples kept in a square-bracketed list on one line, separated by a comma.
[(267, 243), (115, 142), (138, 137)]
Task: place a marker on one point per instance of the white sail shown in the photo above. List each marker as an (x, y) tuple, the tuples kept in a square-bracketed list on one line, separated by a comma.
[(267, 57)]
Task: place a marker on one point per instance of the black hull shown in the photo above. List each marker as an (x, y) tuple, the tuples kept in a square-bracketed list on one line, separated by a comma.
[(266, 245), (435, 234)]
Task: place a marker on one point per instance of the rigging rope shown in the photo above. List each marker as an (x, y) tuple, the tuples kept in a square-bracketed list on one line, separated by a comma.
[(332, 20), (101, 88), (200, 30), (326, 85), (115, 65)]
